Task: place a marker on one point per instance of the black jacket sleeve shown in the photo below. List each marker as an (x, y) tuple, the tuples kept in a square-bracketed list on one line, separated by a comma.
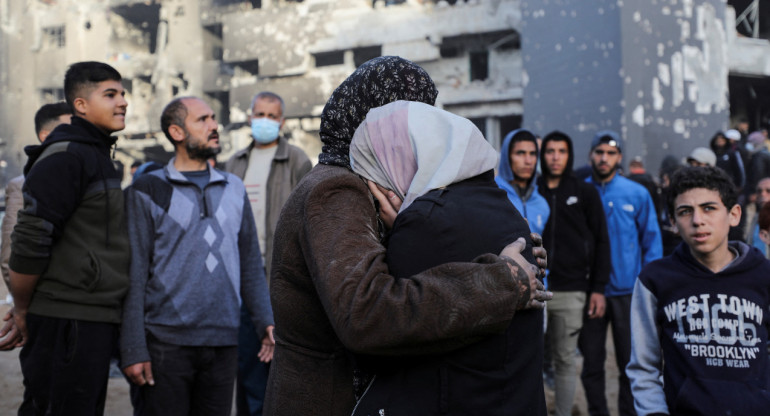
[(597, 223), (52, 190)]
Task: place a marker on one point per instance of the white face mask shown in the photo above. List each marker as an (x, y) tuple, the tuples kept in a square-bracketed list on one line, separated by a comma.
[(264, 130)]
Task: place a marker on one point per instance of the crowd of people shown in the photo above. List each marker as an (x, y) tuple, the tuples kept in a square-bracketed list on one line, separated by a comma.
[(406, 273)]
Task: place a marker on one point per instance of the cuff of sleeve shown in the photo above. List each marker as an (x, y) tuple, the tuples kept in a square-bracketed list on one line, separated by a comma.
[(28, 265), (132, 356), (598, 287), (261, 327)]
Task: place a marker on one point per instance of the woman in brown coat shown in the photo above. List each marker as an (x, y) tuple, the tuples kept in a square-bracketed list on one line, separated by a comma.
[(330, 288)]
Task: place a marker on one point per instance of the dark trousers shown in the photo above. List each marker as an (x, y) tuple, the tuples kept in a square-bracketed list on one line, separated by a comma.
[(252, 373), (65, 364), (592, 342), (189, 380)]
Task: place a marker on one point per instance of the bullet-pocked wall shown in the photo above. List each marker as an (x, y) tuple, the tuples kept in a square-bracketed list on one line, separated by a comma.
[(654, 71)]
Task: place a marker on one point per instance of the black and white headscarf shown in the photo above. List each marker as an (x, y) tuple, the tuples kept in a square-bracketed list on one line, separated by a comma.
[(377, 82)]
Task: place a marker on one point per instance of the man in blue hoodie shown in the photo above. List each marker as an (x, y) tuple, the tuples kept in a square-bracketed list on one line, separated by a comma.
[(516, 175), (635, 241)]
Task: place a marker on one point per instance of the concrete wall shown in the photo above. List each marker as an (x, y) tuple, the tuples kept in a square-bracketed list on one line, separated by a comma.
[(656, 72)]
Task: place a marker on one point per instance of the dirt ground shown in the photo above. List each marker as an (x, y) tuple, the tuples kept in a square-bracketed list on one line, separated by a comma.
[(118, 403)]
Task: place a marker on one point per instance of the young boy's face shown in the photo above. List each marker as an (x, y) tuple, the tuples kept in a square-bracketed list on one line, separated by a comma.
[(703, 221), (105, 106)]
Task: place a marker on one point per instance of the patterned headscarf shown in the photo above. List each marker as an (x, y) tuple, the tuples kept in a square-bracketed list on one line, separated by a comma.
[(377, 82), (413, 148)]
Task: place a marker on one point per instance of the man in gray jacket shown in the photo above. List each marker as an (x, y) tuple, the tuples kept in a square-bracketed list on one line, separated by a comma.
[(195, 258), (270, 168)]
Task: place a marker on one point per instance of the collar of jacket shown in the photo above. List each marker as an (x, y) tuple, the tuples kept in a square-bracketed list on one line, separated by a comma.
[(173, 175), (281, 153), (603, 185)]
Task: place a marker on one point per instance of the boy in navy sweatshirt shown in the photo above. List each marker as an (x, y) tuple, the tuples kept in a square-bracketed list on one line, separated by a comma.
[(702, 310)]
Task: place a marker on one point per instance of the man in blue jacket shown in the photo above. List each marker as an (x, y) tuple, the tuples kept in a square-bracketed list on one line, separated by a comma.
[(635, 241)]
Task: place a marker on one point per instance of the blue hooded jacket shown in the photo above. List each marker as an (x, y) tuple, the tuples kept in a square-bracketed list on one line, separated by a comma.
[(530, 203), (632, 223)]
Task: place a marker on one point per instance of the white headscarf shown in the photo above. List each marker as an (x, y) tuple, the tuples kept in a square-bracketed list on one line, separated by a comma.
[(412, 148)]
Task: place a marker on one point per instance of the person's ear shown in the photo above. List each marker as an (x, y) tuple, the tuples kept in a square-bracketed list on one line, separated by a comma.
[(177, 133), (674, 228), (80, 105), (735, 215)]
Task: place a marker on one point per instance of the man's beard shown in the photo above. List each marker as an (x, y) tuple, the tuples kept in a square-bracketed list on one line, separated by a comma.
[(603, 176), (200, 151)]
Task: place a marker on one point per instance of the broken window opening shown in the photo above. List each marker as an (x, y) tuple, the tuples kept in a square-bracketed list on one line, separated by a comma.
[(220, 3), (329, 58), (256, 4), (54, 37), (144, 17), (751, 20), (450, 2), (509, 124), (251, 67), (479, 65), (220, 103), (128, 85), (449, 51), (481, 124), (214, 42), (361, 55), (388, 2)]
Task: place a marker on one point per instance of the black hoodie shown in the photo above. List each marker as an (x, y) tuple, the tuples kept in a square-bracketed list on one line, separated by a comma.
[(575, 235), (706, 332), (71, 230)]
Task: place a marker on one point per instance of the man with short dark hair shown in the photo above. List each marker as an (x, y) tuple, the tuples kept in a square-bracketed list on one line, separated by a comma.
[(578, 248), (270, 168), (70, 253), (635, 241), (195, 258)]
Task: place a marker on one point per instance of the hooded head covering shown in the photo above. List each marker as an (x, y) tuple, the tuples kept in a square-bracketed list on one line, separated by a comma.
[(504, 170), (377, 82), (556, 136), (413, 148), (669, 165)]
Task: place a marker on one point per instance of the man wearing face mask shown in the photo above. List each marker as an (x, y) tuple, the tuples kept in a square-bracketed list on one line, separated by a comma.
[(270, 168)]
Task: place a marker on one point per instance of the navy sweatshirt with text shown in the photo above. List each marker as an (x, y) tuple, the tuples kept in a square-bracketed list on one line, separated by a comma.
[(710, 329)]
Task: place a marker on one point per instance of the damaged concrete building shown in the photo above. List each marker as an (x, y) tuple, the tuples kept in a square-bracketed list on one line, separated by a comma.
[(482, 54), (668, 74)]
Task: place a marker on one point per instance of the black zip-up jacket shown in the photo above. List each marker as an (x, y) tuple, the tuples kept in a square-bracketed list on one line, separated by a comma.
[(71, 230), (575, 235)]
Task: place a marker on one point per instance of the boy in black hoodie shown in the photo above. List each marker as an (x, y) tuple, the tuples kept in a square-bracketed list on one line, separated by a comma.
[(70, 253), (578, 246), (701, 311)]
